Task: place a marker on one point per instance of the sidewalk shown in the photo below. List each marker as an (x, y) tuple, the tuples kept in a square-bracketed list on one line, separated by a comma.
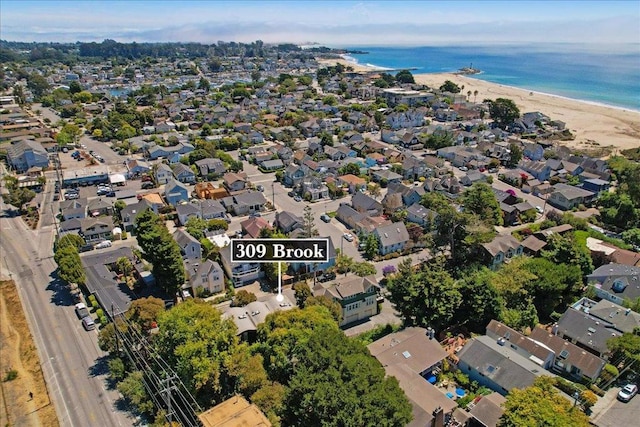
[(603, 404)]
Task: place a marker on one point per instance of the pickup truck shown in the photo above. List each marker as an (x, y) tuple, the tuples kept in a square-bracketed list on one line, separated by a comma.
[(81, 310)]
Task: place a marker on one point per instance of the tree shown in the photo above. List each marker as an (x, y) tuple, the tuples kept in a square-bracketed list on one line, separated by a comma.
[(503, 111), (450, 86), (567, 250), (554, 286), (70, 239), (247, 369), (625, 348), (350, 168), (371, 246), (145, 312), (405, 76), (301, 293), (18, 197), (480, 200), (540, 405), (309, 225), (133, 390), (204, 84), (124, 265), (333, 306), (196, 227), (480, 302), (338, 383), (632, 236), (38, 84), (195, 340), (427, 297), (363, 269), (515, 154), (243, 298), (69, 266)]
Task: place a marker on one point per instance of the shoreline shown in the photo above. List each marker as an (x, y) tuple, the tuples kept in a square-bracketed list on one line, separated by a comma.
[(594, 125)]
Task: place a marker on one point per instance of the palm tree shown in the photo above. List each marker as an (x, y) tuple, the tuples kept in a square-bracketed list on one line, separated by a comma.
[(468, 95), (475, 95)]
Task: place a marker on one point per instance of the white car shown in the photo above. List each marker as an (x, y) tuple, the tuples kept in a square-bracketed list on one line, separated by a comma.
[(104, 244), (539, 209), (348, 237), (627, 392)]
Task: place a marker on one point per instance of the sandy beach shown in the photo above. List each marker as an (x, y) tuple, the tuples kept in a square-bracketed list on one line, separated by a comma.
[(594, 126)]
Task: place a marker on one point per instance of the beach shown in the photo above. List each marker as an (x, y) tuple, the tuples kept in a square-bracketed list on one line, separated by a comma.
[(593, 125)]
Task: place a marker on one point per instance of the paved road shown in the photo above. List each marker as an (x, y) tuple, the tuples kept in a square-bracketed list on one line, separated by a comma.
[(73, 365), (615, 413)]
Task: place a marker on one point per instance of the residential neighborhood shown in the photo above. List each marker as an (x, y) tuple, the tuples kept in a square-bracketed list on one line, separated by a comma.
[(468, 260)]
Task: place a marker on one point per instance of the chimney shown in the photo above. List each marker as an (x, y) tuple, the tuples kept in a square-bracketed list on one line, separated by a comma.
[(438, 417)]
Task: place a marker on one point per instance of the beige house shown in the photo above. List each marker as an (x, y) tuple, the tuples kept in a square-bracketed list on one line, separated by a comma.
[(356, 295)]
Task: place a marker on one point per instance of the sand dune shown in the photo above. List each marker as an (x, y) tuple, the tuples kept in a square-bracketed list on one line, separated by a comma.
[(592, 124)]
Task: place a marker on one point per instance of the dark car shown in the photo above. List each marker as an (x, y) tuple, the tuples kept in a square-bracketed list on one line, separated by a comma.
[(147, 185), (325, 218), (327, 277)]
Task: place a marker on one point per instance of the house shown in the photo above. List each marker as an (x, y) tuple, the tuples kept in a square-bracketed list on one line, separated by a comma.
[(99, 207), (352, 182), (392, 202), (163, 174), (538, 170), (366, 205), (129, 213), (596, 185), (420, 215), (496, 366), (184, 211), (175, 192), (533, 151), (96, 229), (532, 245), (235, 411), (272, 165), (501, 249), (587, 332), (248, 318), (240, 273), (521, 344), (294, 174), (356, 296), (26, 154), (184, 174), (235, 181), (317, 266), (314, 189), (558, 229), (392, 237), (252, 227), (616, 282), (210, 166), (73, 209), (206, 190), (208, 275), (413, 168), (569, 358), (348, 216), (385, 176), (413, 358), (137, 167), (245, 203), (410, 195), (288, 221), (190, 247), (472, 177), (567, 197)]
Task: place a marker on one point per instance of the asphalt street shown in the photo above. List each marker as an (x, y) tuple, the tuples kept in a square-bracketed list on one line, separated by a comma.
[(74, 367)]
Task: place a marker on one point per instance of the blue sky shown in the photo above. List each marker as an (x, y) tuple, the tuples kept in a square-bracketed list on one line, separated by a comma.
[(334, 23)]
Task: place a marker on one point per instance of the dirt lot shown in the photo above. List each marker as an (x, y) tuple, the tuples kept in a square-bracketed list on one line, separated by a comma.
[(18, 353)]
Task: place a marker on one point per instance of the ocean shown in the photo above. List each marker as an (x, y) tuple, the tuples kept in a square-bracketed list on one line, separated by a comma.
[(573, 71)]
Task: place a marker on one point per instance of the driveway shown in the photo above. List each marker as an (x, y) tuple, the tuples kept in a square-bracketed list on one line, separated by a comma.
[(610, 412)]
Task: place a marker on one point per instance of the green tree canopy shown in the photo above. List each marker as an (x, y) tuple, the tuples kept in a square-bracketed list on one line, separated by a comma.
[(145, 312), (540, 405), (404, 76), (480, 302), (338, 383), (195, 340), (449, 86), (480, 200), (243, 298), (503, 111), (426, 297)]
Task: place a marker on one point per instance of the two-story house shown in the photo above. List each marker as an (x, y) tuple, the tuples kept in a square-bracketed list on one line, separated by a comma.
[(176, 192), (208, 275), (184, 174), (234, 182), (163, 173), (567, 197), (392, 237), (96, 229), (240, 273), (190, 247), (356, 296), (616, 282), (366, 205), (26, 154), (501, 249)]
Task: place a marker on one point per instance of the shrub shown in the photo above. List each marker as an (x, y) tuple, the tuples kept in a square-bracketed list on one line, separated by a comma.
[(92, 299), (11, 375), (103, 320), (588, 398), (100, 313)]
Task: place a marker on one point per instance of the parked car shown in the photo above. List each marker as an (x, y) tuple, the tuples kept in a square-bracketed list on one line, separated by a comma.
[(147, 185), (297, 198), (104, 244), (260, 187), (81, 310), (325, 218), (627, 392), (88, 324), (326, 277), (539, 209), (348, 237), (463, 168)]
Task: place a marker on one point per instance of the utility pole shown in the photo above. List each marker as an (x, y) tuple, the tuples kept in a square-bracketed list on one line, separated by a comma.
[(167, 395), (55, 222)]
